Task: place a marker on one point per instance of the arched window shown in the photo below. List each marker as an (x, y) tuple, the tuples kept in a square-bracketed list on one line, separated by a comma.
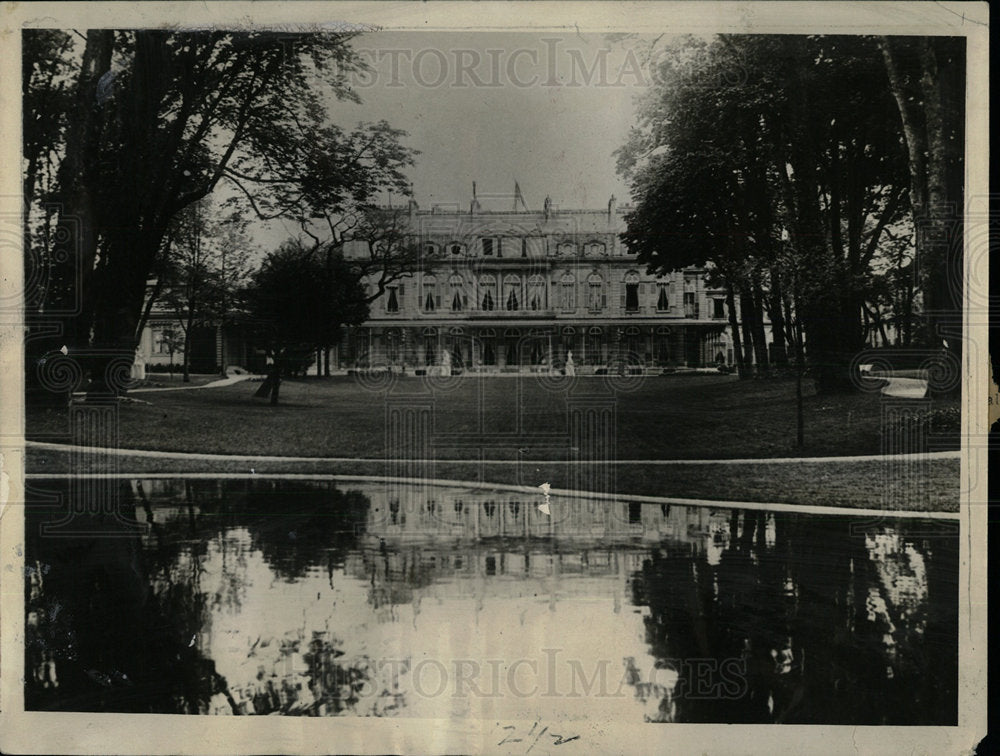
[(455, 248), (536, 293), (430, 339), (594, 345), (455, 293), (567, 292), (488, 339), (393, 338), (431, 299), (430, 249), (512, 292), (631, 291), (595, 292), (662, 345), (511, 339), (487, 293), (632, 341)]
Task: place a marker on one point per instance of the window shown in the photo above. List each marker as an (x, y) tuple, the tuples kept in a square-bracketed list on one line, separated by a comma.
[(429, 249), (392, 304), (718, 308), (536, 293), (595, 292), (487, 293), (632, 292), (567, 292), (430, 294), (595, 249), (511, 338), (489, 341), (632, 339), (168, 340), (567, 342), (430, 345), (524, 247), (662, 345), (392, 339), (456, 249), (595, 340), (512, 292), (457, 299), (690, 305), (662, 301), (487, 246)]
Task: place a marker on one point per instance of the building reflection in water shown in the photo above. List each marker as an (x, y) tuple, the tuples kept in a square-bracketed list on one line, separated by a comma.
[(294, 597)]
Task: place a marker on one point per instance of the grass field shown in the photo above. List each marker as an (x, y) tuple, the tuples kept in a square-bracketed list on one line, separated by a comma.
[(871, 484), (676, 417), (526, 425)]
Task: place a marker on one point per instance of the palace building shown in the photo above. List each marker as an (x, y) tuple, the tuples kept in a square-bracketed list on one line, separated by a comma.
[(523, 291)]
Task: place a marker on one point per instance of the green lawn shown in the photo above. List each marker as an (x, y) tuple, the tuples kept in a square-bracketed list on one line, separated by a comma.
[(872, 484), (507, 419), (176, 380), (676, 417)]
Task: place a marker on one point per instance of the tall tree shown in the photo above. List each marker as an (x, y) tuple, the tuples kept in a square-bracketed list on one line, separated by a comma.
[(927, 79), (298, 302), (159, 119), (799, 142)]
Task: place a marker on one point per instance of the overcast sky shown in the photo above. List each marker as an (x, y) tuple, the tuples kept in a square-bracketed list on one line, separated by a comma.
[(545, 110)]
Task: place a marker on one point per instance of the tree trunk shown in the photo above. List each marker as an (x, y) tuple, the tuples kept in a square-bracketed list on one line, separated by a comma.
[(777, 320), (76, 191), (800, 369), (187, 342), (187, 357), (275, 378), (931, 108), (759, 336), (734, 326)]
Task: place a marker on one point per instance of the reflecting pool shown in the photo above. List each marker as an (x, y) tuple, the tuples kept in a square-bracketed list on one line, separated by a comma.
[(374, 598)]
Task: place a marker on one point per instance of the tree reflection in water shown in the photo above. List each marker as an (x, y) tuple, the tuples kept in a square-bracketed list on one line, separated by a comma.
[(745, 616), (113, 620), (827, 625)]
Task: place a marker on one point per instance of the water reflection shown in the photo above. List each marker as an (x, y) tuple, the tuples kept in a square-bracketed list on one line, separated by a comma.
[(302, 597)]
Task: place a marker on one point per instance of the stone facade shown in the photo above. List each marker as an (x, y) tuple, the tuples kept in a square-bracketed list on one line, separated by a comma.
[(524, 291)]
